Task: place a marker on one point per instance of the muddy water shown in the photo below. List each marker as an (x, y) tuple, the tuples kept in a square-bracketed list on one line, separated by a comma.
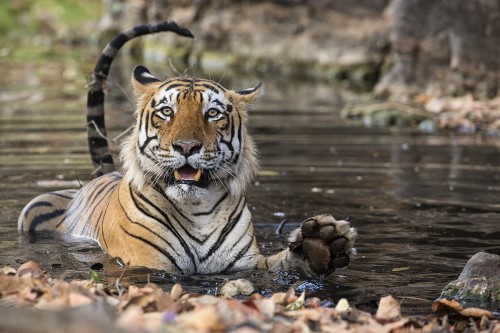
[(422, 203)]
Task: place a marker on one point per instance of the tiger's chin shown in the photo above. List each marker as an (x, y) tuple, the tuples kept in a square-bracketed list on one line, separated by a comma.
[(188, 185), (187, 192)]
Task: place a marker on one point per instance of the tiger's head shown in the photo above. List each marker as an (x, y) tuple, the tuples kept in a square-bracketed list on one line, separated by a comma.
[(190, 137)]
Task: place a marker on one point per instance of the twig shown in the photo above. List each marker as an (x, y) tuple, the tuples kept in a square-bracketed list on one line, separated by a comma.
[(176, 71), (123, 91), (414, 298), (97, 129), (117, 283), (96, 170), (78, 179), (173, 67), (123, 133)]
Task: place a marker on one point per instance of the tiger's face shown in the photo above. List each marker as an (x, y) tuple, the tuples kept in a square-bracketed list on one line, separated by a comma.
[(190, 137)]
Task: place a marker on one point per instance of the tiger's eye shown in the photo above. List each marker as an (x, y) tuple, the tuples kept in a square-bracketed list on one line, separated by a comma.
[(212, 112), (167, 112)]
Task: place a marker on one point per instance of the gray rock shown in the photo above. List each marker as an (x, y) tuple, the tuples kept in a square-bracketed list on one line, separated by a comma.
[(479, 283)]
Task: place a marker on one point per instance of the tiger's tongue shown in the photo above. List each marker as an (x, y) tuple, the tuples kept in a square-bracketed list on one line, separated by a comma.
[(187, 173)]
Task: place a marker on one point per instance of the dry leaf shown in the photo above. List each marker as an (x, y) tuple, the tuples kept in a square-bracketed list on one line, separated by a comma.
[(290, 296), (31, 268), (207, 313), (476, 312), (153, 321), (131, 319), (145, 302), (342, 305), (279, 298), (176, 291), (298, 303), (7, 270), (444, 303), (203, 319), (389, 309), (165, 302), (266, 307), (309, 314), (10, 284), (78, 299)]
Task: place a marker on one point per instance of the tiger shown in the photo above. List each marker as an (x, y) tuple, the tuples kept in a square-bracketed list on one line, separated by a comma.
[(179, 203)]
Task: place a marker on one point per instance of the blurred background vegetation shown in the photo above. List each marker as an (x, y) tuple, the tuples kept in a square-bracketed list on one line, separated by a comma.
[(32, 30), (22, 20), (411, 52)]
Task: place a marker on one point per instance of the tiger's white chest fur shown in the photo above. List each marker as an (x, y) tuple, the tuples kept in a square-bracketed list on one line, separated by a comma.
[(213, 235)]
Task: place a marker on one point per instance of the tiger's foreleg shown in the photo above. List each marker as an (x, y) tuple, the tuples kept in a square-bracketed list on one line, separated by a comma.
[(318, 247)]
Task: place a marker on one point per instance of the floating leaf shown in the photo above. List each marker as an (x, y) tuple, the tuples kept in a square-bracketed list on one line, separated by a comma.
[(400, 269)]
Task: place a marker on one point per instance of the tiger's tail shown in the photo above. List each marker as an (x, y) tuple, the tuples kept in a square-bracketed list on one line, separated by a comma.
[(96, 129)]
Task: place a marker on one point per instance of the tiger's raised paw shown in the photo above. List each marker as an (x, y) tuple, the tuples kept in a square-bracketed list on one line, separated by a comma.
[(323, 243)]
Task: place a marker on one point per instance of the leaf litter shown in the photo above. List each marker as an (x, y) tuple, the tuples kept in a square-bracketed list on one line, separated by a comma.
[(151, 309)]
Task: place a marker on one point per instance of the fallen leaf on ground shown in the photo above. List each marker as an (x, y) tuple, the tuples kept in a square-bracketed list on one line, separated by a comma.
[(444, 305), (30, 267), (389, 309), (151, 309)]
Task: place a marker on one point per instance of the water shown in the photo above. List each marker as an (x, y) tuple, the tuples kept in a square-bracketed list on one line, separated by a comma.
[(422, 203)]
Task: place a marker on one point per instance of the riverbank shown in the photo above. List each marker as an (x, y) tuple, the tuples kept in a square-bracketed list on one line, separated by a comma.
[(91, 306)]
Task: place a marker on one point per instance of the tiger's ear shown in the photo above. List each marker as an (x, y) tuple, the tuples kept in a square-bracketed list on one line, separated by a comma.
[(247, 96), (143, 81)]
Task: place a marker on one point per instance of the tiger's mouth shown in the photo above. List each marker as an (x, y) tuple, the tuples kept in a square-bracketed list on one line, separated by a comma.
[(189, 175)]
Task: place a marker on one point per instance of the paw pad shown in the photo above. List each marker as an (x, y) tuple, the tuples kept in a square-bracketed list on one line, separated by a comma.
[(325, 244)]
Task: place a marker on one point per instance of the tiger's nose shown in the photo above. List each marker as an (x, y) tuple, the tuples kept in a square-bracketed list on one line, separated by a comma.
[(187, 148)]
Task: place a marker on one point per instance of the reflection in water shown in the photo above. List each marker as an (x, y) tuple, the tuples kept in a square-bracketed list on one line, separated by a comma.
[(423, 204)]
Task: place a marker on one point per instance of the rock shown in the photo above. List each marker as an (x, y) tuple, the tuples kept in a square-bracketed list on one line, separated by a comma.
[(443, 46), (479, 283), (237, 287)]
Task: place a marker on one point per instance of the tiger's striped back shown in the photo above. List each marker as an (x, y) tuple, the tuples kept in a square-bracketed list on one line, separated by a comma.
[(65, 210)]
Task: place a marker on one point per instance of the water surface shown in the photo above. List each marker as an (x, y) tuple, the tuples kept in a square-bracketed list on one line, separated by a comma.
[(422, 203)]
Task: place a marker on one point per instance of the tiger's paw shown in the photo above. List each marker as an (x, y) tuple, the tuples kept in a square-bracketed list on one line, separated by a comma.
[(323, 243)]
